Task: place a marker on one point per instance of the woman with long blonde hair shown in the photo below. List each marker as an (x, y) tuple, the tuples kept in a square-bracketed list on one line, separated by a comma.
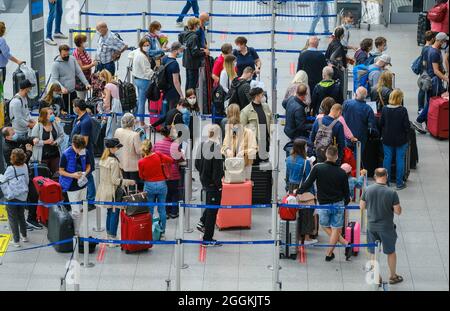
[(111, 102), (239, 141), (301, 77), (110, 179), (228, 73), (381, 92)]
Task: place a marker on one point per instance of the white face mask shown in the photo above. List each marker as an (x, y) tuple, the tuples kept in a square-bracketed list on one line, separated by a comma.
[(264, 100), (146, 48), (192, 101), (82, 152)]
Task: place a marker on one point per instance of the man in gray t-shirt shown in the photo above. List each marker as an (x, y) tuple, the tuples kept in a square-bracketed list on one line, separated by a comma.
[(382, 203)]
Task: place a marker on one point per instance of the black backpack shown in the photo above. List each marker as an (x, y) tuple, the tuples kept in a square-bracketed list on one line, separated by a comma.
[(153, 92), (127, 94), (232, 96), (8, 120), (162, 81)]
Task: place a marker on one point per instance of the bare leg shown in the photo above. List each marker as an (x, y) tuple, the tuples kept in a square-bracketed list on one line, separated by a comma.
[(392, 263)]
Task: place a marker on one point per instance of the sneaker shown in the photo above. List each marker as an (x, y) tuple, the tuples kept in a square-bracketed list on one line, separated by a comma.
[(34, 224), (163, 237), (348, 253), (311, 242), (29, 228), (60, 35), (400, 187), (329, 258), (174, 216), (194, 189), (180, 24), (91, 207), (420, 111), (25, 240), (212, 243), (16, 244), (201, 227), (50, 42), (419, 127)]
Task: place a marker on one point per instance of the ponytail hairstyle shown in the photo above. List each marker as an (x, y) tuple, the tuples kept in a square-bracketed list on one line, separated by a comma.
[(146, 148)]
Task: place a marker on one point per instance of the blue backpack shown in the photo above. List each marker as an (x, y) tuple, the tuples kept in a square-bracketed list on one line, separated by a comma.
[(371, 59), (361, 76), (417, 65)]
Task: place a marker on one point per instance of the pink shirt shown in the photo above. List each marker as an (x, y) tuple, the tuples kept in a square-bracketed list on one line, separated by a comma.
[(114, 89), (347, 132), (168, 147)]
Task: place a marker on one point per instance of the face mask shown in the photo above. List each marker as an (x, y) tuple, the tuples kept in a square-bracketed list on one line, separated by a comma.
[(15, 137), (82, 152), (239, 48), (52, 118), (184, 110), (385, 48), (264, 100), (206, 24), (180, 55), (348, 26), (66, 58), (444, 46), (192, 101), (85, 45), (146, 48)]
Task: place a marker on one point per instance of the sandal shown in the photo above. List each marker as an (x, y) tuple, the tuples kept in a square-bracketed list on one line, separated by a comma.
[(395, 280)]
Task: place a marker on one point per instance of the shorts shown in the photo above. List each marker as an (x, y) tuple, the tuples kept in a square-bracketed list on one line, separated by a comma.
[(333, 218), (388, 239)]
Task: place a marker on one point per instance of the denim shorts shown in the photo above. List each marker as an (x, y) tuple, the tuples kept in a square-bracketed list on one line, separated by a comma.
[(388, 239), (332, 218)]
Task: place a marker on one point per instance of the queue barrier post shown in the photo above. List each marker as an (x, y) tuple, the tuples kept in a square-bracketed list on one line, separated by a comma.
[(88, 29), (376, 266), (211, 20), (149, 10), (76, 256), (80, 20), (144, 25), (182, 222), (178, 259), (62, 286), (188, 187), (98, 209), (71, 39), (86, 16), (86, 264)]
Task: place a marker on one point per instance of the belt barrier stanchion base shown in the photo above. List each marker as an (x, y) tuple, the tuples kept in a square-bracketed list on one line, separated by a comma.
[(86, 264), (182, 221), (168, 281), (62, 287), (178, 262)]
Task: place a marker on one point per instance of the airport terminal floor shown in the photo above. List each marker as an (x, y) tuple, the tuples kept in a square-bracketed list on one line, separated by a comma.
[(422, 228)]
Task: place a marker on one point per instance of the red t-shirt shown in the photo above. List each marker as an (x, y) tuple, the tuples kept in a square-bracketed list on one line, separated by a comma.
[(150, 167), (218, 65)]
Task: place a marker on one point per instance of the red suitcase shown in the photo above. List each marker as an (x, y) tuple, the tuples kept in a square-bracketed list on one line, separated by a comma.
[(235, 194), (136, 228), (438, 117), (155, 107), (49, 191)]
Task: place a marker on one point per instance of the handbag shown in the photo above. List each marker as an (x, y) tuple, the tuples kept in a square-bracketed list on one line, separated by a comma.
[(234, 170), (136, 197), (288, 213), (14, 187), (120, 193)]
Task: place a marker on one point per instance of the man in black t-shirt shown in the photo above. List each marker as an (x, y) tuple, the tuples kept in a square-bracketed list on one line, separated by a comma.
[(174, 93)]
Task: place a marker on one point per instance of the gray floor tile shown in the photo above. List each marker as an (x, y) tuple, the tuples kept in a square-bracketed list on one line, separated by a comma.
[(115, 283), (220, 285), (429, 279), (14, 282)]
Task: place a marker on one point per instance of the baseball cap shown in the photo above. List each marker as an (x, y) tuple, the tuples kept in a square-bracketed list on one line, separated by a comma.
[(176, 46), (113, 143), (386, 59), (26, 84), (347, 168), (442, 36)]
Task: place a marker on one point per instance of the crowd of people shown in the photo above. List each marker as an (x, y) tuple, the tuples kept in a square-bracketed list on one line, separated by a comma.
[(321, 123)]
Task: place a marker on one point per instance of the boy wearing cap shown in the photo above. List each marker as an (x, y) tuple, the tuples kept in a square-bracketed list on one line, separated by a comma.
[(19, 113), (111, 178), (377, 69)]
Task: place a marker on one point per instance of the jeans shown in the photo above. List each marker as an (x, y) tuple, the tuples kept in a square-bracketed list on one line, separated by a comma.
[(332, 218), (173, 195), (157, 192), (112, 221), (320, 8), (142, 86), (16, 218), (111, 67), (436, 89), (192, 77), (189, 4), (91, 188), (400, 153), (421, 99), (55, 14)]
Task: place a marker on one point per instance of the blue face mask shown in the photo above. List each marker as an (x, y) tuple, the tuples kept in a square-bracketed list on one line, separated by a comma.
[(180, 55), (52, 118), (206, 24), (184, 110), (15, 137), (348, 26)]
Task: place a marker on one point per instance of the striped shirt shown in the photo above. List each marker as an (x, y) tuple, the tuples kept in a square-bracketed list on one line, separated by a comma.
[(170, 148), (107, 46), (85, 60)]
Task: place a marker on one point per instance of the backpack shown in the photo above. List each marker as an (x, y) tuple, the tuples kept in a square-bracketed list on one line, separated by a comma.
[(371, 59), (324, 139), (417, 65), (234, 170), (232, 96), (218, 100), (127, 95), (7, 116), (437, 13), (162, 81), (153, 92), (361, 76), (14, 187)]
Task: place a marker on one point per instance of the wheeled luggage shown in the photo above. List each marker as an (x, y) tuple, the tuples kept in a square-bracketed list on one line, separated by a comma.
[(235, 194), (60, 227), (406, 165), (136, 228), (262, 183), (438, 117), (353, 235), (372, 156), (19, 76), (288, 213), (289, 235), (155, 108), (423, 25), (49, 191)]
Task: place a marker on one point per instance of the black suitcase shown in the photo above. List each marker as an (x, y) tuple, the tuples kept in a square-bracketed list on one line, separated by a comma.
[(60, 227), (373, 156), (414, 156), (99, 145), (423, 25), (67, 125), (19, 76), (288, 235), (262, 183), (407, 166)]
